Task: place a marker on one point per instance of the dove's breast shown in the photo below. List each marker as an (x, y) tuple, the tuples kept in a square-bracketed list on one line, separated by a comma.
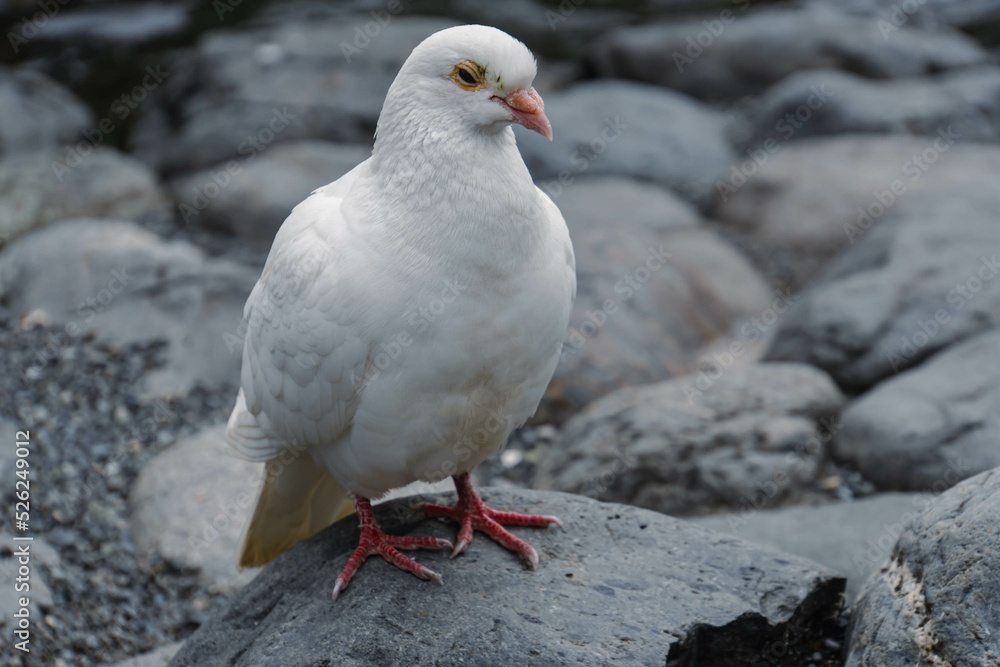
[(463, 362)]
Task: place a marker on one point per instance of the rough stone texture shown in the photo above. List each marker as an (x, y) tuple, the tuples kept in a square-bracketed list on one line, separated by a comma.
[(158, 657), (825, 102), (759, 48), (125, 284), (804, 205), (749, 438), (39, 188), (191, 504), (291, 77), (629, 129), (934, 600), (255, 200), (932, 426), (851, 537), (651, 330), (37, 112), (617, 584), (918, 281)]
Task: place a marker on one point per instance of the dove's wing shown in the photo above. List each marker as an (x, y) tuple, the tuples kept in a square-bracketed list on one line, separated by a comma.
[(304, 353), (303, 357)]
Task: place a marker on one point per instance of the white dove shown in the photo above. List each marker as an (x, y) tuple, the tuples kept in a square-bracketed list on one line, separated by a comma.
[(410, 314)]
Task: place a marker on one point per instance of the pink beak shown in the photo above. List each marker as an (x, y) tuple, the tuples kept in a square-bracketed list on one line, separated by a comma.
[(528, 109)]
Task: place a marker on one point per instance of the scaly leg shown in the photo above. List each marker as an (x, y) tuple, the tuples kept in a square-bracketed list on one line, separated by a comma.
[(472, 514), (374, 541)]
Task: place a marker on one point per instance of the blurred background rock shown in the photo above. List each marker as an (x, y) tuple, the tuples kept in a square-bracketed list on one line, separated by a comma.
[(809, 361)]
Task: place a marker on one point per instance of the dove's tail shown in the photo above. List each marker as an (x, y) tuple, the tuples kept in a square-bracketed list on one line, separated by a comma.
[(298, 500)]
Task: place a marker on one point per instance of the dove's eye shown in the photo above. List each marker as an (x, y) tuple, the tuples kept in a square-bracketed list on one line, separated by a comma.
[(468, 75)]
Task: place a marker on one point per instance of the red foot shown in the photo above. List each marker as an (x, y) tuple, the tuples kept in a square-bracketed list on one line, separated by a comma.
[(374, 541), (472, 514)]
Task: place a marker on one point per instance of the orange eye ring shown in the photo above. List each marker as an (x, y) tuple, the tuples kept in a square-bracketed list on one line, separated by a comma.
[(469, 75)]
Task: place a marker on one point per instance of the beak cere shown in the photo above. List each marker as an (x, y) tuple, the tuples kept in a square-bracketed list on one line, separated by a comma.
[(528, 109)]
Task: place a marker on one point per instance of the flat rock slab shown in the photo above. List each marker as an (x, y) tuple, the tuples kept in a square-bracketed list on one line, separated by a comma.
[(617, 584)]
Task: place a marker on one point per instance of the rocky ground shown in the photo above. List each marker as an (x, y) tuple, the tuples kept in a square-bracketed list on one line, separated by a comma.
[(812, 366)]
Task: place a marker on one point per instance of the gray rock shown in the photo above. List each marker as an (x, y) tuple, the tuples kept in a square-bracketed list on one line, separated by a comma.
[(628, 129), (37, 112), (117, 24), (191, 504), (727, 56), (641, 317), (741, 438), (42, 187), (932, 426), (617, 584), (125, 284), (810, 199), (241, 90), (934, 600), (971, 15), (918, 281), (852, 537), (252, 198), (826, 102), (158, 657)]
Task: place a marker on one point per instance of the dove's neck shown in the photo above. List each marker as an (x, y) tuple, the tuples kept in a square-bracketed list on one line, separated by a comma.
[(440, 186)]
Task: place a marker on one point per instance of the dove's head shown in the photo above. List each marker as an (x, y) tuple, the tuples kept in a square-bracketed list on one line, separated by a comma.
[(473, 76)]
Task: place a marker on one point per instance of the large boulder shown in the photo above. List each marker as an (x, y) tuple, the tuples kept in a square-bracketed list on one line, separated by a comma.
[(800, 203), (918, 281), (38, 113), (652, 290), (252, 198), (616, 584), (932, 426), (852, 537), (239, 91), (965, 104), (629, 129), (734, 53), (934, 600), (125, 284), (741, 438), (41, 187)]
